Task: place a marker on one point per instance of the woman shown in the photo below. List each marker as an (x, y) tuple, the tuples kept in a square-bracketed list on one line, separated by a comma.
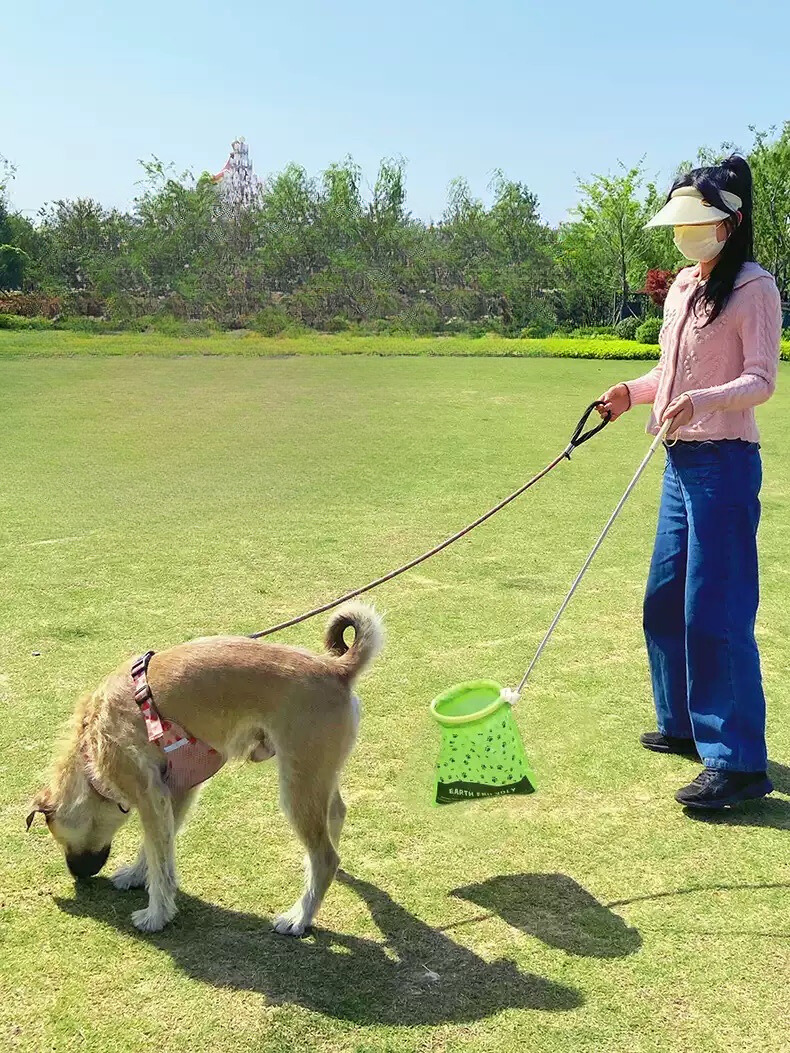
[(719, 355)]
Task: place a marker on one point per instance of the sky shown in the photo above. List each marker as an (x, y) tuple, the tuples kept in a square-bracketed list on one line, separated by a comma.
[(548, 91)]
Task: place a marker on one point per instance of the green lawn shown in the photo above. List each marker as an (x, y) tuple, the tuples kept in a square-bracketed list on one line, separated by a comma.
[(146, 500)]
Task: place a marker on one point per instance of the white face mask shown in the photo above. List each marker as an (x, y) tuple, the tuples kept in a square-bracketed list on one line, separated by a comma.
[(699, 243)]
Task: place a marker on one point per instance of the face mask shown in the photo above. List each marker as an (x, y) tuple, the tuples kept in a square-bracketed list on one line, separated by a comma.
[(699, 243)]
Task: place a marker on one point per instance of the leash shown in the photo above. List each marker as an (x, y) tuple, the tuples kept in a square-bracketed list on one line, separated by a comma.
[(513, 696), (579, 437)]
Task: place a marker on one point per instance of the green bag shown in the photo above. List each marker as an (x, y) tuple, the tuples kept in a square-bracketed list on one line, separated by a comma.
[(481, 754)]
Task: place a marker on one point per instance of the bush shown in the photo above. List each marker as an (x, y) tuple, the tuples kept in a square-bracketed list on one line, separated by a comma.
[(626, 328), (422, 319), (126, 310), (169, 326), (602, 347), (537, 330), (270, 321), (87, 324), (30, 305), (19, 322), (648, 331), (76, 304), (587, 333), (456, 326)]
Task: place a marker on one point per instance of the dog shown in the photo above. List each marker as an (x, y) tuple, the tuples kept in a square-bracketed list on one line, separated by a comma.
[(235, 698)]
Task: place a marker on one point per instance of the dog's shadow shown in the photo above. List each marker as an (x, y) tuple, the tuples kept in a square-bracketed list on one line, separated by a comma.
[(556, 910), (418, 976)]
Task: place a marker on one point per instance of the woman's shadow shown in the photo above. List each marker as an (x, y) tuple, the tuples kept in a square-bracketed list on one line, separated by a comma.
[(417, 976)]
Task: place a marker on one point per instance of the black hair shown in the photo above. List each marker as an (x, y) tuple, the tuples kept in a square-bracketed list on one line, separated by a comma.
[(734, 175)]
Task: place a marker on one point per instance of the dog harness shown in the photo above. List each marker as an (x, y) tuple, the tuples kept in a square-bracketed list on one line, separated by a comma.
[(189, 761)]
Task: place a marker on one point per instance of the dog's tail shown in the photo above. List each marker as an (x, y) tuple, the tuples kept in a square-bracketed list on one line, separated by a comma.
[(368, 637)]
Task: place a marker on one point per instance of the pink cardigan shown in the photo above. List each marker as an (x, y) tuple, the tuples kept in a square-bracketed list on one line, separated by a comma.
[(727, 368)]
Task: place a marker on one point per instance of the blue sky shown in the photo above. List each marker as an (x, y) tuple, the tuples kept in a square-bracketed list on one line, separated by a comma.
[(546, 91)]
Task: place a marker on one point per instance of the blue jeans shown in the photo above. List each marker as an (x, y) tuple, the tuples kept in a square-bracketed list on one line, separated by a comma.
[(701, 603)]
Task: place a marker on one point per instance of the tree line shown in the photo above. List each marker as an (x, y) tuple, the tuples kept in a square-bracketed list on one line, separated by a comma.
[(325, 253)]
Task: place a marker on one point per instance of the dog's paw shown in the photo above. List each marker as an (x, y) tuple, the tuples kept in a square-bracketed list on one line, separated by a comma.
[(129, 877), (293, 923), (148, 920)]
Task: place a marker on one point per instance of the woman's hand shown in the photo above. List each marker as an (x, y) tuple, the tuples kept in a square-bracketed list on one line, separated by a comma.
[(679, 411), (616, 401)]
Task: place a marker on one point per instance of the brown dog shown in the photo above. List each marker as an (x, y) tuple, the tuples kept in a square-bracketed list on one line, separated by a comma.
[(244, 699)]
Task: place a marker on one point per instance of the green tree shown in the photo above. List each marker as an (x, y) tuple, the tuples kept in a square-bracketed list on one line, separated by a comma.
[(613, 216), (770, 164), (13, 258)]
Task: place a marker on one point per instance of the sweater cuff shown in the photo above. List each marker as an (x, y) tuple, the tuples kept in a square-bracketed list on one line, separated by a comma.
[(704, 402), (642, 390)]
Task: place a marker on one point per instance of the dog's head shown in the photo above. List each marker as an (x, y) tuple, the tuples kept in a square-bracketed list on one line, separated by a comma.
[(82, 822)]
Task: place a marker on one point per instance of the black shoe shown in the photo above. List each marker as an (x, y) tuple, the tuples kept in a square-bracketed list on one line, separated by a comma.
[(654, 740), (715, 788)]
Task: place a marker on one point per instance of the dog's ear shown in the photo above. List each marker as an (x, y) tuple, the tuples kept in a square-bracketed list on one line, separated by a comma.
[(43, 803)]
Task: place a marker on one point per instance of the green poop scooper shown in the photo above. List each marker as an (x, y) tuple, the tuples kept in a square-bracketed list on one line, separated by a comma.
[(482, 754)]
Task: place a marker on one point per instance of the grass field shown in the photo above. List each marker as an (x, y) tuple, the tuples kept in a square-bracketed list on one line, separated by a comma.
[(147, 500)]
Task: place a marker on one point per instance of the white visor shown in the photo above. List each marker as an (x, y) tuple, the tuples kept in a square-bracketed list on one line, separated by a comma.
[(688, 208)]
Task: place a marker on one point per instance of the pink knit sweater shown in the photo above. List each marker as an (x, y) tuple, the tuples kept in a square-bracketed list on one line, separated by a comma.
[(727, 368)]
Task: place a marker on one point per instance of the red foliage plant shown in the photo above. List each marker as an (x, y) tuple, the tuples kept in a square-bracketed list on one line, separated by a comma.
[(657, 285)]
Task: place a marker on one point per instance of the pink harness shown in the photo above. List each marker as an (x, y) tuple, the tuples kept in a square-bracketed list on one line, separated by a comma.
[(189, 761)]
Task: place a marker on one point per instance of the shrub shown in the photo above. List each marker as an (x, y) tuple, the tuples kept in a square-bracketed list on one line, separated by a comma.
[(626, 328), (476, 330), (422, 319), (125, 309), (537, 330), (602, 347), (456, 326), (169, 326), (657, 285), (648, 331), (270, 321), (87, 324), (30, 305), (19, 322), (78, 303)]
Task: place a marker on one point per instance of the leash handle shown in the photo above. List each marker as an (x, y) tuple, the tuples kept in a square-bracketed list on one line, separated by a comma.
[(580, 435)]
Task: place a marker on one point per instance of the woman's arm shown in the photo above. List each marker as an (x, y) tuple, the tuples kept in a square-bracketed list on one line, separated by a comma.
[(643, 389), (760, 326), (619, 399)]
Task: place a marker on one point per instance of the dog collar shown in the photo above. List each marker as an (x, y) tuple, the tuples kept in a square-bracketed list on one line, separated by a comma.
[(144, 697)]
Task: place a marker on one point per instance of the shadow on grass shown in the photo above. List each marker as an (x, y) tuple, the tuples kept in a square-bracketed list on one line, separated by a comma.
[(779, 774), (558, 911), (417, 976)]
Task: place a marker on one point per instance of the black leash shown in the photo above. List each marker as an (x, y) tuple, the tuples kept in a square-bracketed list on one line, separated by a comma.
[(579, 437)]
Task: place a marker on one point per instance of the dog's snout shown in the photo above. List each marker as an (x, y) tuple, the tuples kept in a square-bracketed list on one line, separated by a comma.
[(87, 864)]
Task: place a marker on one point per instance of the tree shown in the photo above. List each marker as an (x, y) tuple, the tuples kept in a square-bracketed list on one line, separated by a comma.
[(79, 238), (657, 284), (13, 258), (770, 164), (613, 218)]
